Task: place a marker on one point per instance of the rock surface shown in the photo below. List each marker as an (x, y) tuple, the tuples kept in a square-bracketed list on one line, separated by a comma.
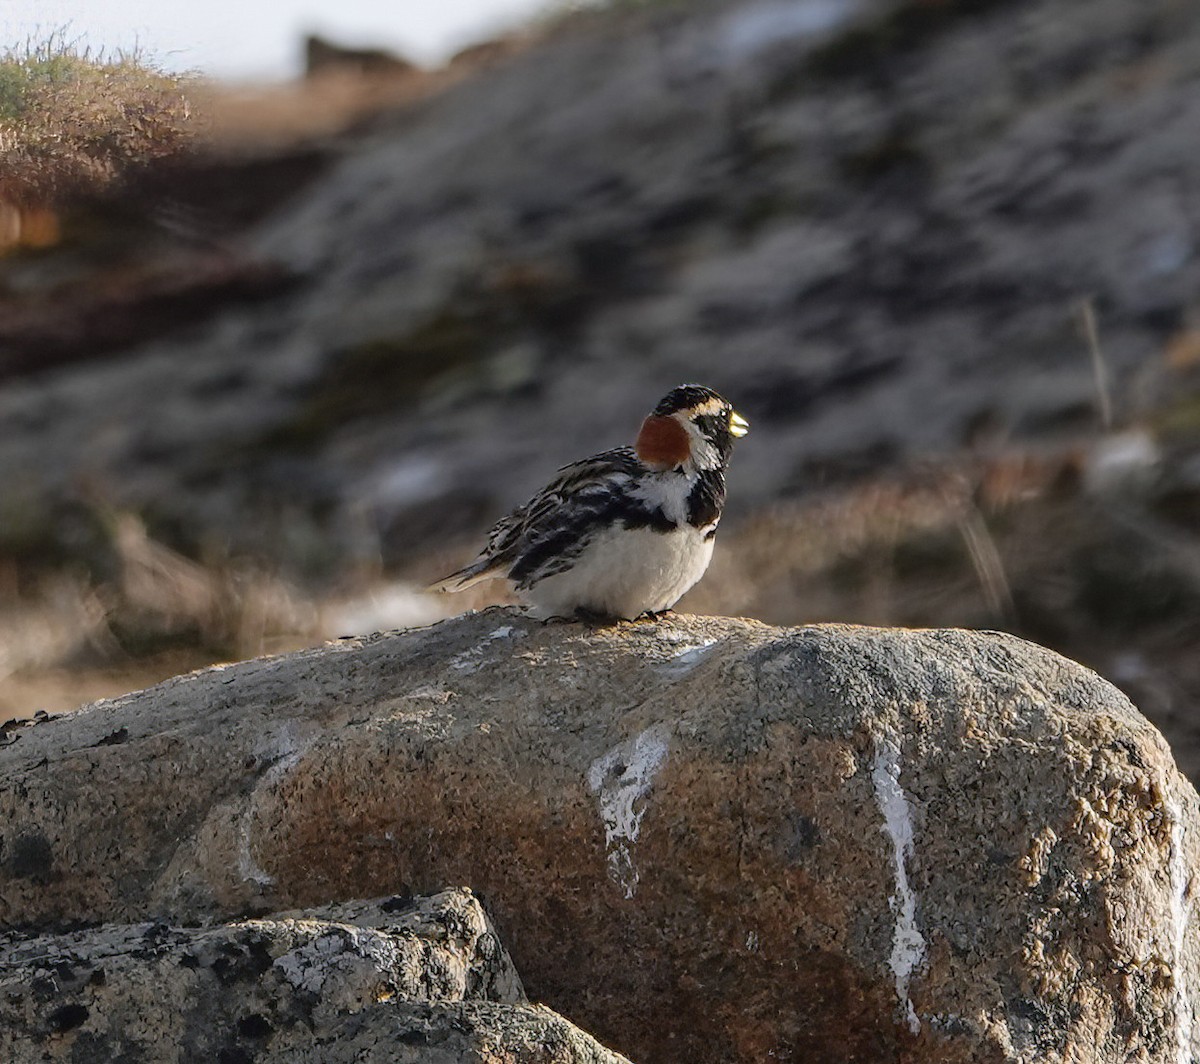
[(702, 839), (400, 979)]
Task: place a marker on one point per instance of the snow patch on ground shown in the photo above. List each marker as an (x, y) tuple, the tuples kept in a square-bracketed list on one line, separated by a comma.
[(750, 29)]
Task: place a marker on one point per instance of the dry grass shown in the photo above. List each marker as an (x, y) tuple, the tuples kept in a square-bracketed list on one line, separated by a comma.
[(952, 544), (1087, 320), (73, 120), (67, 637), (259, 120)]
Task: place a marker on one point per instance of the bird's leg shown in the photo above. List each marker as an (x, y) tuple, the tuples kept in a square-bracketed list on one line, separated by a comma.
[(592, 617), (659, 615)]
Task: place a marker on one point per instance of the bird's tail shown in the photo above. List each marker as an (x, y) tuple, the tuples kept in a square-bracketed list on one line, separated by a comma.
[(479, 570)]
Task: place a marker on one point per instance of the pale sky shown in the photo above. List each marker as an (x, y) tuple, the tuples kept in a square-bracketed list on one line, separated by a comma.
[(260, 39)]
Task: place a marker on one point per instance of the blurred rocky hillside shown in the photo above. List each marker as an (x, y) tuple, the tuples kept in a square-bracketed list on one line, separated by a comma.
[(943, 254)]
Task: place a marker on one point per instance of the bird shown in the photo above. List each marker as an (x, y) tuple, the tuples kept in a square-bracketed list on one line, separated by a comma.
[(627, 531)]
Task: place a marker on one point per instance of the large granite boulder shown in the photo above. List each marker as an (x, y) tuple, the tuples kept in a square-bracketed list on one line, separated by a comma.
[(702, 839)]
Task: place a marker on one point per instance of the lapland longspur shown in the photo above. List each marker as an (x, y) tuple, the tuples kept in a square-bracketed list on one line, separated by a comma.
[(627, 531)]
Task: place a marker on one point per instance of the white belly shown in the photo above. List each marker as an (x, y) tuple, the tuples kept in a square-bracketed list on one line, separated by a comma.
[(625, 573)]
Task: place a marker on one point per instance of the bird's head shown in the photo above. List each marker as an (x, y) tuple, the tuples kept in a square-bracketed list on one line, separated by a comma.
[(692, 426)]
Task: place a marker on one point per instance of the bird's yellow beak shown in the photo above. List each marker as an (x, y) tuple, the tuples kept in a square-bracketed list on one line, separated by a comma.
[(738, 425)]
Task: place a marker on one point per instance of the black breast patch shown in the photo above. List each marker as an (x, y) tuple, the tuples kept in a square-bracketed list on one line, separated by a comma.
[(706, 499)]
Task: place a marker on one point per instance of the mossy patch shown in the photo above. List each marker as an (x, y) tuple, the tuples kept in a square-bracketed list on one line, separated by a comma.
[(932, 555), (904, 28), (39, 534), (477, 341), (384, 374), (894, 152), (1180, 420), (869, 46)]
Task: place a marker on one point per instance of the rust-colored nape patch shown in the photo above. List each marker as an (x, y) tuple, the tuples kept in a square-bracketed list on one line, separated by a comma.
[(663, 442)]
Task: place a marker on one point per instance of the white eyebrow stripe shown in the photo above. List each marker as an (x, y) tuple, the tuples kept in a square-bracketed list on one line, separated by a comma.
[(709, 406)]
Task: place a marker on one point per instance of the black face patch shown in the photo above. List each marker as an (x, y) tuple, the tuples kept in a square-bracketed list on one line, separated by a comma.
[(687, 396), (715, 429)]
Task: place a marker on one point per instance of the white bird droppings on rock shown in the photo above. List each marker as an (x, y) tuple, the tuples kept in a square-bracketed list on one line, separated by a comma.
[(284, 749), (908, 946), (1180, 903), (470, 660), (622, 777), (688, 656)]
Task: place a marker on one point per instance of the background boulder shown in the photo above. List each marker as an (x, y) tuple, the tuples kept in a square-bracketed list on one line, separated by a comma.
[(406, 979), (703, 839)]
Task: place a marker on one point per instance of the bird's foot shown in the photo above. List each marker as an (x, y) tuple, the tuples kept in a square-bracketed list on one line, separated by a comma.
[(659, 615)]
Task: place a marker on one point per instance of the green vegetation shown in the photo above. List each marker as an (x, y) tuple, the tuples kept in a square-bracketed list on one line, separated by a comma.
[(384, 374), (72, 120), (897, 30)]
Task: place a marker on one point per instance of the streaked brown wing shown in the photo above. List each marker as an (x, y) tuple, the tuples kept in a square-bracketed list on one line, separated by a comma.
[(536, 517)]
